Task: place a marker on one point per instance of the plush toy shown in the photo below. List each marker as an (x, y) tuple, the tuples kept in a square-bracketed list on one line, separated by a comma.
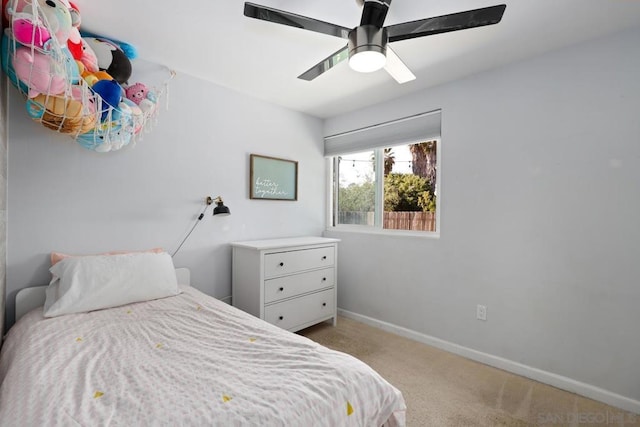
[(71, 67), (9, 7), (29, 33), (75, 19), (5, 14), (75, 48), (8, 52), (105, 138), (73, 114), (111, 93), (119, 138), (136, 92), (124, 116), (110, 58), (88, 57), (74, 43), (98, 75), (56, 15), (40, 72), (152, 96), (137, 118), (127, 48), (92, 78), (148, 107), (94, 140)]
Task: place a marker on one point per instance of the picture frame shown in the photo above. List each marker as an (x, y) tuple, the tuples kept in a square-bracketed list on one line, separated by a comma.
[(272, 178)]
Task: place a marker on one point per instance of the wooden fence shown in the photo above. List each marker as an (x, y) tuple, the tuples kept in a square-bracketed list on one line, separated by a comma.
[(419, 221)]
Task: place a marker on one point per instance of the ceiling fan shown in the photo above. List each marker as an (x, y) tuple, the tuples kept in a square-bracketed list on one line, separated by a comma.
[(367, 47)]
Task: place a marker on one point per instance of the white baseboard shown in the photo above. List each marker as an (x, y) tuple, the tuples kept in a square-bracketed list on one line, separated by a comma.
[(545, 377)]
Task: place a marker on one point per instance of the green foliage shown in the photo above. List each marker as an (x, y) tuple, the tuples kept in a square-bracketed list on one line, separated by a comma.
[(402, 193), (357, 198), (427, 202), (407, 192)]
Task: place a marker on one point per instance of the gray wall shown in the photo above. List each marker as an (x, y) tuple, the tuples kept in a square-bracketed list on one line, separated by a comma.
[(65, 198), (540, 209)]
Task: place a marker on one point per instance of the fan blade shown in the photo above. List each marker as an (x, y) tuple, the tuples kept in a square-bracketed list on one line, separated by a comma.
[(396, 68), (291, 19), (446, 23), (374, 12), (325, 64)]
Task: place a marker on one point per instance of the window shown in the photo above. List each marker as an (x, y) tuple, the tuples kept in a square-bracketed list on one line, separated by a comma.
[(386, 176), (391, 188)]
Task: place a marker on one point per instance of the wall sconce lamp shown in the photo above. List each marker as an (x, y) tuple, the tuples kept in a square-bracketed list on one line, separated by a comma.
[(219, 209)]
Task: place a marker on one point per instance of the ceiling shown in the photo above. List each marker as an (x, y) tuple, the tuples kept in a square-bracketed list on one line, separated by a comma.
[(214, 41)]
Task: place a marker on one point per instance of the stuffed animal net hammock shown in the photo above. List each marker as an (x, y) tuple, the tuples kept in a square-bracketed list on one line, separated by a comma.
[(74, 82)]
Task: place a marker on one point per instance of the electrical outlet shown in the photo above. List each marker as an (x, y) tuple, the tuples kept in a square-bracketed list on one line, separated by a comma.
[(481, 312)]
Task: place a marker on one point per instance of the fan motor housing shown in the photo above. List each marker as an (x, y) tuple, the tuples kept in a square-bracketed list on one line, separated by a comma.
[(368, 38)]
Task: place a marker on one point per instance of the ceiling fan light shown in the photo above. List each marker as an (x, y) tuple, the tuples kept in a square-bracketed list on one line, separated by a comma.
[(367, 61), (367, 48)]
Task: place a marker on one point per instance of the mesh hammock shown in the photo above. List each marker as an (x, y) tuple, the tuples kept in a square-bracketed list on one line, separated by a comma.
[(78, 85)]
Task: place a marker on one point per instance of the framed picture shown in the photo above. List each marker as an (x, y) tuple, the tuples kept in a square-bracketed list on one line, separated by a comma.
[(273, 179)]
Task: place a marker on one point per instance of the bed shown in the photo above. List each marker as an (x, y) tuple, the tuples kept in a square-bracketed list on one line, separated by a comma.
[(182, 360)]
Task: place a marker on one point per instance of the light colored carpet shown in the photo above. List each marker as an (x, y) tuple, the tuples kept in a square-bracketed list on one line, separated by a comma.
[(443, 389)]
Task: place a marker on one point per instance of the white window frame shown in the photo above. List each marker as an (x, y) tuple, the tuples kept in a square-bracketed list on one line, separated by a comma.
[(333, 186)]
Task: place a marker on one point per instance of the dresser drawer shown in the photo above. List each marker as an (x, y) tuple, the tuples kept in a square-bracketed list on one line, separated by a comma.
[(304, 310), (281, 263), (301, 283)]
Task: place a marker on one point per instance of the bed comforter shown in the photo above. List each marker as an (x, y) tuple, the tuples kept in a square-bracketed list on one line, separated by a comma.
[(187, 360)]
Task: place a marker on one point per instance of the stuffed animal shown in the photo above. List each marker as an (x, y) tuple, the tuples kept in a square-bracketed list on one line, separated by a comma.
[(92, 78), (94, 140), (111, 93), (124, 116), (29, 33), (127, 48), (73, 114), (8, 52), (40, 72), (9, 7), (57, 16), (110, 58), (136, 92), (5, 15), (105, 138), (74, 43), (58, 21), (148, 107), (71, 67), (137, 118), (88, 57)]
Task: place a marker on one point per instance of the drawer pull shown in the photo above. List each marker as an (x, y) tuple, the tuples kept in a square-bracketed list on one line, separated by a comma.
[(281, 264), (324, 304), (324, 279), (281, 289), (324, 257), (281, 317)]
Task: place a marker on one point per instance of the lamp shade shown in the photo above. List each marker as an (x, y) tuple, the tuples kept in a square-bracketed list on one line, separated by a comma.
[(367, 48), (367, 61), (220, 208)]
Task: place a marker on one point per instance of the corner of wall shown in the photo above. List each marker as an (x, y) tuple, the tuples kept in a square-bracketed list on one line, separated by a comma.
[(3, 198)]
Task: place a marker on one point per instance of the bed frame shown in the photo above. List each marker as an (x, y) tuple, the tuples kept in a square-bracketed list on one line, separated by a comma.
[(29, 298)]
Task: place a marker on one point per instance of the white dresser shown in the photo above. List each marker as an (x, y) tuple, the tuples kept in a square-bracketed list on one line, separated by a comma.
[(290, 282)]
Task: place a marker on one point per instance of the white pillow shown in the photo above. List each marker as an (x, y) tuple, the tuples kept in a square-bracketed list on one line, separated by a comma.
[(101, 281)]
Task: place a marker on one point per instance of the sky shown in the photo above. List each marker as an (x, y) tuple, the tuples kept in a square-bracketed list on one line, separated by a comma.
[(357, 167)]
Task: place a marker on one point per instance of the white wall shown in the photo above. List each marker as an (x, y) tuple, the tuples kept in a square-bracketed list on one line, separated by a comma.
[(65, 198), (540, 218), (3, 198)]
